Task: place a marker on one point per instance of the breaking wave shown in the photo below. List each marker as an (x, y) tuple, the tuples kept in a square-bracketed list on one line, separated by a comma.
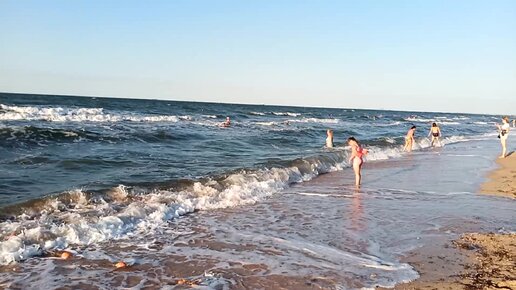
[(59, 114)]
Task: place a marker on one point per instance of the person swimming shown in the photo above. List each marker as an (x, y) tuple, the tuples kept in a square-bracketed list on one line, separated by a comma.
[(329, 139), (226, 123), (435, 131), (503, 135), (409, 139), (356, 159)]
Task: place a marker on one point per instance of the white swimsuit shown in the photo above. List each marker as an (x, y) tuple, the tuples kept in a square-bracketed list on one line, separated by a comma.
[(329, 142), (505, 128)]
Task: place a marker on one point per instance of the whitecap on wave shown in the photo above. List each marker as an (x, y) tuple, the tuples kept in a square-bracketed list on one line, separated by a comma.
[(59, 114)]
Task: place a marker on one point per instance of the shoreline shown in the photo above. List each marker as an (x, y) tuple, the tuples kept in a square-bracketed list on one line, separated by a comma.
[(473, 260)]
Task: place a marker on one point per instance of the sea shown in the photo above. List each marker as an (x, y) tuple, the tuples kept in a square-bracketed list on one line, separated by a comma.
[(262, 204)]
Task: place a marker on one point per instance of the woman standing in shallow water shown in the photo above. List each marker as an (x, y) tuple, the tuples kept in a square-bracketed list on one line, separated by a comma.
[(409, 139), (503, 134), (356, 160), (436, 133)]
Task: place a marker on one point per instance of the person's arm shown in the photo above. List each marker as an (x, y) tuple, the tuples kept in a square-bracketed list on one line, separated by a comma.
[(353, 154)]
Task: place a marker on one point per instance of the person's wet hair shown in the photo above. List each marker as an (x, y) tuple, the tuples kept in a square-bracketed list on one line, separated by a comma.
[(413, 127), (434, 125)]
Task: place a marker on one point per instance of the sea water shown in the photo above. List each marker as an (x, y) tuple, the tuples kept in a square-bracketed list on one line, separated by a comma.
[(145, 180)]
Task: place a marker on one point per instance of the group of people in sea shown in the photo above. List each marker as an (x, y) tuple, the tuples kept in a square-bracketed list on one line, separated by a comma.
[(435, 134), (357, 151)]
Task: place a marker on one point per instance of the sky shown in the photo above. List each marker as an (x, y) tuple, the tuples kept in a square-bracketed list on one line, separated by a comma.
[(446, 56)]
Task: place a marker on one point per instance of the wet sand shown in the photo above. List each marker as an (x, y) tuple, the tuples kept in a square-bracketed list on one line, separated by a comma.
[(475, 260), (502, 180)]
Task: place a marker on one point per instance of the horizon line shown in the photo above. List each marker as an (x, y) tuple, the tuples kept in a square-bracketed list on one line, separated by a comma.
[(249, 104)]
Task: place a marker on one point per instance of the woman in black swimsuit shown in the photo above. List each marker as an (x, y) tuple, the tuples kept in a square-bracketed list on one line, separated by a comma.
[(436, 133)]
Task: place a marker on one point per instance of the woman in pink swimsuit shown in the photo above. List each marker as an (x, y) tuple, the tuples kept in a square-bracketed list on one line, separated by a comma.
[(356, 160)]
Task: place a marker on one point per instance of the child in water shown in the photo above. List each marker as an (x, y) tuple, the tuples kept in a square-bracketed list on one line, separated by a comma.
[(436, 133), (356, 160), (409, 139), (329, 139)]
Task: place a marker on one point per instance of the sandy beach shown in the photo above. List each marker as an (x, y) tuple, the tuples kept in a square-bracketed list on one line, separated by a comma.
[(501, 181), (475, 260)]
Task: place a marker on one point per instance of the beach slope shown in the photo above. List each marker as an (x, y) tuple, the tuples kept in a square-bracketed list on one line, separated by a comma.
[(502, 180)]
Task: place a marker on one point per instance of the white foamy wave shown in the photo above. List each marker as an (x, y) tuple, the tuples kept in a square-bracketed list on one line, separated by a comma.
[(389, 124), (421, 120), (448, 123), (286, 114), (257, 113), (86, 221), (314, 120), (59, 114), (390, 140), (376, 153), (266, 123), (439, 120)]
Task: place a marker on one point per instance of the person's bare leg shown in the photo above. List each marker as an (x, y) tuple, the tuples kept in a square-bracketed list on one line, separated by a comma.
[(504, 147), (356, 168), (408, 146)]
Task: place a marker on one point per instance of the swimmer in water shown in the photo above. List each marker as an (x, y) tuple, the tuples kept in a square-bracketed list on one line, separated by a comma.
[(227, 123), (409, 139), (356, 159), (436, 133), (329, 139), (503, 134)]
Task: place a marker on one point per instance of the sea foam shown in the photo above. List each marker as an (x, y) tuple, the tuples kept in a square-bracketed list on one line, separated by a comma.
[(59, 114)]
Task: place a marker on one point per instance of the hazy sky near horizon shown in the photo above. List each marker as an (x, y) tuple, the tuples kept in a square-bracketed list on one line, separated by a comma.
[(430, 55)]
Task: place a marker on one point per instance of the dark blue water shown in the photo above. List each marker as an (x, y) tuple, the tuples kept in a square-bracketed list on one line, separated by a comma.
[(53, 144)]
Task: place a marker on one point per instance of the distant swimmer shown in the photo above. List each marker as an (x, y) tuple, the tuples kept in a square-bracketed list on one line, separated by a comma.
[(329, 139), (226, 123), (435, 131), (356, 159), (409, 139), (503, 133)]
